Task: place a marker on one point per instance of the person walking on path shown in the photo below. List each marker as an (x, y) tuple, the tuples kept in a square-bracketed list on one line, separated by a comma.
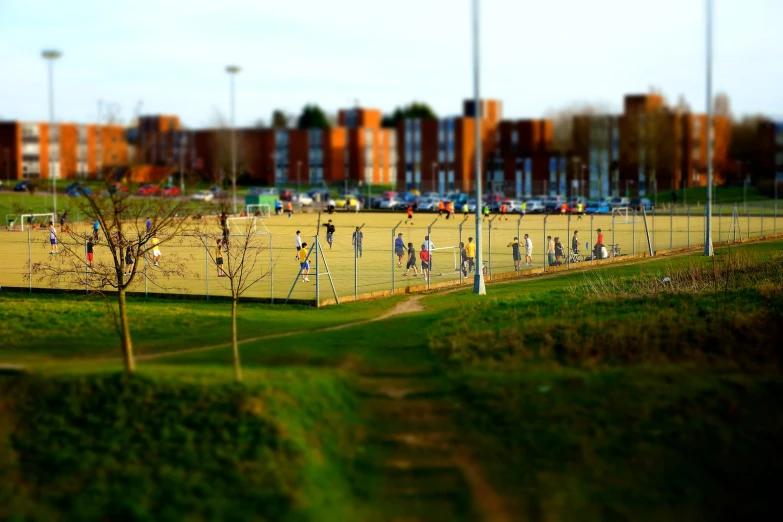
[(303, 264), (411, 261), (329, 232), (515, 253), (399, 249), (528, 251), (470, 252), (53, 239), (356, 241), (463, 257), (550, 250)]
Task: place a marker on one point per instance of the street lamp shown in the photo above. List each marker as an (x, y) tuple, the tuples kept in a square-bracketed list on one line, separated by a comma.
[(232, 71), (478, 280), (50, 55)]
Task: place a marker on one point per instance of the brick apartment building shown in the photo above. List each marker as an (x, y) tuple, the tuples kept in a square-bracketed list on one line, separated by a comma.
[(30, 150), (770, 150), (520, 162), (439, 154)]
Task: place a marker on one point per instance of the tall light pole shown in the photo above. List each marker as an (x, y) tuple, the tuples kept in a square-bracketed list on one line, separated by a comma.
[(50, 55), (478, 279), (708, 226), (232, 71)]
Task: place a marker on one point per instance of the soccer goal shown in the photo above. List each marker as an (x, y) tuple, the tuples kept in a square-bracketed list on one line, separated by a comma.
[(624, 215), (264, 210), (33, 220), (447, 257), (240, 226)]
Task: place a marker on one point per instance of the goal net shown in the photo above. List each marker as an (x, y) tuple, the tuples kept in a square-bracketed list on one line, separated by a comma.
[(37, 220), (445, 258), (240, 226), (261, 210), (624, 215)]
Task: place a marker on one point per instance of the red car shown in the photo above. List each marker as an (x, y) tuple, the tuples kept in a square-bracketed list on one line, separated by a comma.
[(148, 190), (171, 191)]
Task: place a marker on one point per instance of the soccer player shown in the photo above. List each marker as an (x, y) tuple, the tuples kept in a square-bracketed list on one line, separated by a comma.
[(503, 211), (528, 251), (411, 261), (219, 258), (470, 252), (440, 208), (356, 241), (579, 210), (290, 208), (424, 255), (53, 239), (95, 228), (129, 261), (298, 243), (156, 249), (63, 219), (329, 232), (524, 207), (465, 209), (450, 210), (410, 215), (303, 264), (486, 212), (90, 246), (399, 249), (515, 253)]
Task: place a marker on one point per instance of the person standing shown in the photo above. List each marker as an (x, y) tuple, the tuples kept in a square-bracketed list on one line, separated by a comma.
[(528, 251), (298, 244), (463, 257), (63, 219), (424, 255), (486, 212), (559, 251), (411, 261), (90, 247), (503, 211), (290, 208), (304, 266), (600, 237), (575, 243), (450, 210), (524, 207), (148, 224), (156, 249), (465, 209), (53, 239), (356, 241), (470, 252), (410, 215), (550, 250), (129, 261), (95, 228), (440, 208), (329, 232), (515, 253), (224, 226), (579, 210), (219, 258), (429, 245), (399, 249)]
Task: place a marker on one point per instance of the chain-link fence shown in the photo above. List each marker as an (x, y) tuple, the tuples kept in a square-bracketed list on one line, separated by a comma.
[(361, 260)]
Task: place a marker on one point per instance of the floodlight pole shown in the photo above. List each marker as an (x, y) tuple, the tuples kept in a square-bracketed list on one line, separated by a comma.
[(708, 228), (232, 71), (50, 56), (478, 279)]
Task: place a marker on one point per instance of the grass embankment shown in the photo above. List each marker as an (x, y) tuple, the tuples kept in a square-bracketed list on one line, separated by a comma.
[(603, 395)]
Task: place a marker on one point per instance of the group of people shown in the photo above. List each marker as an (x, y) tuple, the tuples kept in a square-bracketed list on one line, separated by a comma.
[(424, 255)]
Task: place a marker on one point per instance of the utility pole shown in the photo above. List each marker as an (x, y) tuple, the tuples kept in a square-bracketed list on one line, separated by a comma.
[(708, 226), (478, 280)]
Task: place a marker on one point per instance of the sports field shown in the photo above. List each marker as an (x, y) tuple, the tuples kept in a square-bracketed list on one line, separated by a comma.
[(377, 270)]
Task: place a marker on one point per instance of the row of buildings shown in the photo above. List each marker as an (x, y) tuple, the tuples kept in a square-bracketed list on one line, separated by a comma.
[(649, 147)]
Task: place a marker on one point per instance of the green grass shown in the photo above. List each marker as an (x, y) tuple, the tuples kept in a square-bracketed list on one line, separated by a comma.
[(639, 402), (720, 195)]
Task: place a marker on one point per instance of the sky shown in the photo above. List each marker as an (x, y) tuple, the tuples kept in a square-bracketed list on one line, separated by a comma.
[(169, 56)]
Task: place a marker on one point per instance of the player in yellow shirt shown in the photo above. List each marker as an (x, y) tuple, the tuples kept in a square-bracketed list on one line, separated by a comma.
[(303, 264), (470, 252), (155, 249)]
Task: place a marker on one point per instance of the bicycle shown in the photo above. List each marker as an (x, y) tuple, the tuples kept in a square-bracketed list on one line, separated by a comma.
[(574, 257)]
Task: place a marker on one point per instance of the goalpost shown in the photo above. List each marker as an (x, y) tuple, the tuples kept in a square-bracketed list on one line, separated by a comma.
[(625, 216), (264, 210), (30, 219), (239, 226), (452, 260)]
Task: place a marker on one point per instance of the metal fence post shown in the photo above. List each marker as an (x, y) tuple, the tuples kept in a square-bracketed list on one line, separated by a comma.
[(317, 278), (145, 276), (271, 273), (747, 212), (519, 235), (86, 270), (356, 263), (671, 228), (653, 231), (614, 243), (568, 241), (761, 211), (688, 227), (720, 226), (775, 215), (591, 238), (461, 246), (29, 262), (633, 232), (546, 255), (393, 234)]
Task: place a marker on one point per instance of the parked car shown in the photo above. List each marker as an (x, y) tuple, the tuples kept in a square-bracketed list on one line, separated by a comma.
[(116, 188), (218, 192), (638, 203), (431, 195), (22, 186), (553, 205), (619, 202), (392, 203), (534, 206), (597, 207), (77, 189), (148, 190), (203, 195), (428, 204), (302, 199), (393, 194), (171, 191), (472, 205), (348, 202), (319, 194)]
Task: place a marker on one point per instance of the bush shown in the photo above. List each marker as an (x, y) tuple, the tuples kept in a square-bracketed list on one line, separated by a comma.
[(111, 447)]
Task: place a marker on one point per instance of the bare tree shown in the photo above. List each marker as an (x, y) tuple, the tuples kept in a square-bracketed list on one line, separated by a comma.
[(238, 259), (563, 121), (122, 229)]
